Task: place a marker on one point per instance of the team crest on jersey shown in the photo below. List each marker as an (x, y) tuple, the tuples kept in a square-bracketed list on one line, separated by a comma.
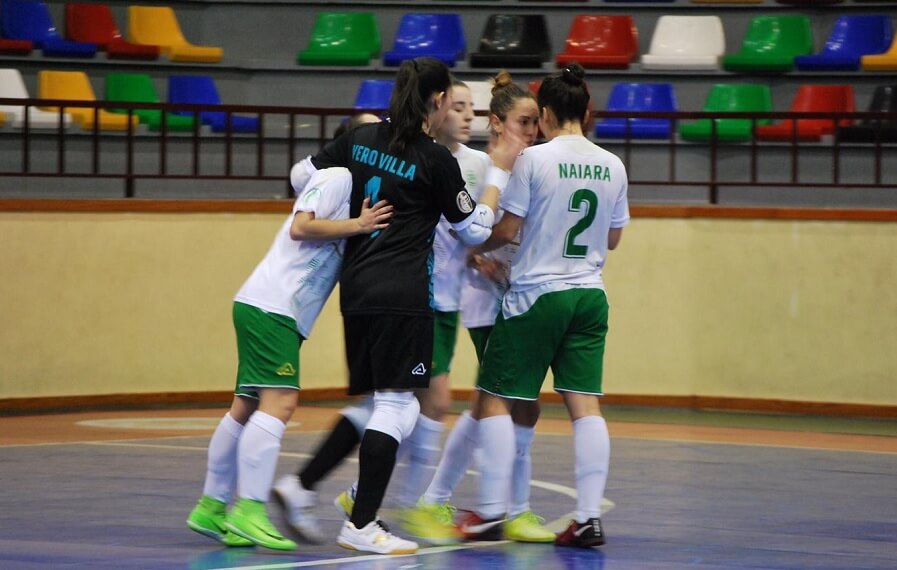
[(465, 202)]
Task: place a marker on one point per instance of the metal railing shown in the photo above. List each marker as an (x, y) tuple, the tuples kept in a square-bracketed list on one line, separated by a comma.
[(284, 132)]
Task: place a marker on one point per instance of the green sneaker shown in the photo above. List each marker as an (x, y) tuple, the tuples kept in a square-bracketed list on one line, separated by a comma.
[(434, 523), (528, 527), (207, 518), (249, 519)]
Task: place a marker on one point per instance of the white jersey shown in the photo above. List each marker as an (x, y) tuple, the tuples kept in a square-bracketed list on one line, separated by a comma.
[(571, 192), (449, 254), (296, 277)]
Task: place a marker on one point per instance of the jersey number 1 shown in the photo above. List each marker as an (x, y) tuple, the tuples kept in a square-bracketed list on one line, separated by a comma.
[(372, 191), (581, 198)]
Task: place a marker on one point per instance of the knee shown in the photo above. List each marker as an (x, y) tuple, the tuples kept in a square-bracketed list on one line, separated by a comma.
[(395, 414), (359, 414)]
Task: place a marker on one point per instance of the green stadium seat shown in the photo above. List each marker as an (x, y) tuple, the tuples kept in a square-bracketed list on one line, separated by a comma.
[(342, 38), (771, 44), (729, 98), (139, 88)]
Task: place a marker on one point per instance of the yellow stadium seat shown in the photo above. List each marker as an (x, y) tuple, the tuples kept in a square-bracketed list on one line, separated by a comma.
[(2, 119), (74, 85), (157, 25), (881, 62)]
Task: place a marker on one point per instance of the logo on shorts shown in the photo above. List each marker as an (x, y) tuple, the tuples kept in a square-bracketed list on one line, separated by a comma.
[(286, 370), (465, 202), (419, 370)]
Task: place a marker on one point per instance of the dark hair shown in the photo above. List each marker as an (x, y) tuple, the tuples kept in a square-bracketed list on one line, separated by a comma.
[(409, 104), (505, 94), (566, 94)]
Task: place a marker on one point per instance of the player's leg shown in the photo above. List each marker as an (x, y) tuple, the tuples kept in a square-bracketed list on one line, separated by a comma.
[(523, 524), (297, 493), (578, 371), (257, 459), (400, 347), (268, 349), (208, 516), (421, 449)]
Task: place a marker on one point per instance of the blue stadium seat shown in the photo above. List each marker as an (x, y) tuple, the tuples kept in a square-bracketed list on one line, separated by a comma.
[(30, 20), (201, 90), (374, 94), (638, 97), (440, 36), (851, 38)]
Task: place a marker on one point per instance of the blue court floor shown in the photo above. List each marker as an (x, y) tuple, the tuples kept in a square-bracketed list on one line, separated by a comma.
[(670, 504)]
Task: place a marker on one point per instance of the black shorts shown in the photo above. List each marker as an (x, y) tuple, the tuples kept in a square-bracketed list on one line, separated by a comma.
[(388, 352)]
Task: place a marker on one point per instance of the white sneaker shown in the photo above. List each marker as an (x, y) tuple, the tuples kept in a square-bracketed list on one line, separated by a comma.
[(298, 504), (374, 537)]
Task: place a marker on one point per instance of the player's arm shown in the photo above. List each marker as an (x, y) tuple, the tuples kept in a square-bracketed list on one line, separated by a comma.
[(614, 235), (372, 218), (503, 233)]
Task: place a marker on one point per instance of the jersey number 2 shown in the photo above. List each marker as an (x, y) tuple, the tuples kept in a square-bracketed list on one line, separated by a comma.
[(581, 198)]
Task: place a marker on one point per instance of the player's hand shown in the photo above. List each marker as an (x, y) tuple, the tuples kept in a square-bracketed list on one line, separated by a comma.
[(373, 218), (492, 269), (506, 149)]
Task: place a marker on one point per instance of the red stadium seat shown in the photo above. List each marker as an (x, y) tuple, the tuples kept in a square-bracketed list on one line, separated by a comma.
[(810, 99), (609, 42), (94, 23)]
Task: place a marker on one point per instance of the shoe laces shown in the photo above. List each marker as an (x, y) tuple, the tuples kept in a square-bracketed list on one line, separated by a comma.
[(445, 513), (530, 517)]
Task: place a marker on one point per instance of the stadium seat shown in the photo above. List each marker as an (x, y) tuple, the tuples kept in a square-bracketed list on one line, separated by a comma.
[(342, 38), (512, 41), (851, 38), (94, 23), (13, 87), (374, 94), (158, 26), (31, 21), (771, 44), (727, 1), (638, 97), (686, 42), (729, 98), (884, 100), (440, 36), (75, 85), (201, 90), (881, 62), (811, 99), (139, 88), (609, 42), (15, 47)]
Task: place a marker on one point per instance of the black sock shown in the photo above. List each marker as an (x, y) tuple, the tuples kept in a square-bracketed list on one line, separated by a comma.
[(376, 460), (339, 444)]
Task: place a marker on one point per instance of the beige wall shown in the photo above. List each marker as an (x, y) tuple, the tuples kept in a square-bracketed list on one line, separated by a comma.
[(795, 310)]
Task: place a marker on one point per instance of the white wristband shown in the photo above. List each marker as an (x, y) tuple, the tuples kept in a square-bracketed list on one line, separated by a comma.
[(497, 177)]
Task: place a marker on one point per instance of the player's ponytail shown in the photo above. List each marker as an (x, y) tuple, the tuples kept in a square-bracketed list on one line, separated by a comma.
[(411, 101), (566, 94)]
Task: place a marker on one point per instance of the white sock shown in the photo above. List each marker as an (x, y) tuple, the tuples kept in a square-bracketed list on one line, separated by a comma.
[(221, 469), (497, 442), (458, 453), (591, 445), (523, 470), (257, 456), (423, 453)]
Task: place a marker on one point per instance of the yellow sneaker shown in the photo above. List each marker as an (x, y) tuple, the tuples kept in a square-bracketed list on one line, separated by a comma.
[(528, 527), (434, 523)]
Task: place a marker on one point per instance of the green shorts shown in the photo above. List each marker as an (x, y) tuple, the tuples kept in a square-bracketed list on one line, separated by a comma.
[(445, 333), (268, 349), (564, 331), (479, 336)]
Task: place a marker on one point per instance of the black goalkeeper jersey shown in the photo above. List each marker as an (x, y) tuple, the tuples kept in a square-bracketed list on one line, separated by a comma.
[(390, 270)]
